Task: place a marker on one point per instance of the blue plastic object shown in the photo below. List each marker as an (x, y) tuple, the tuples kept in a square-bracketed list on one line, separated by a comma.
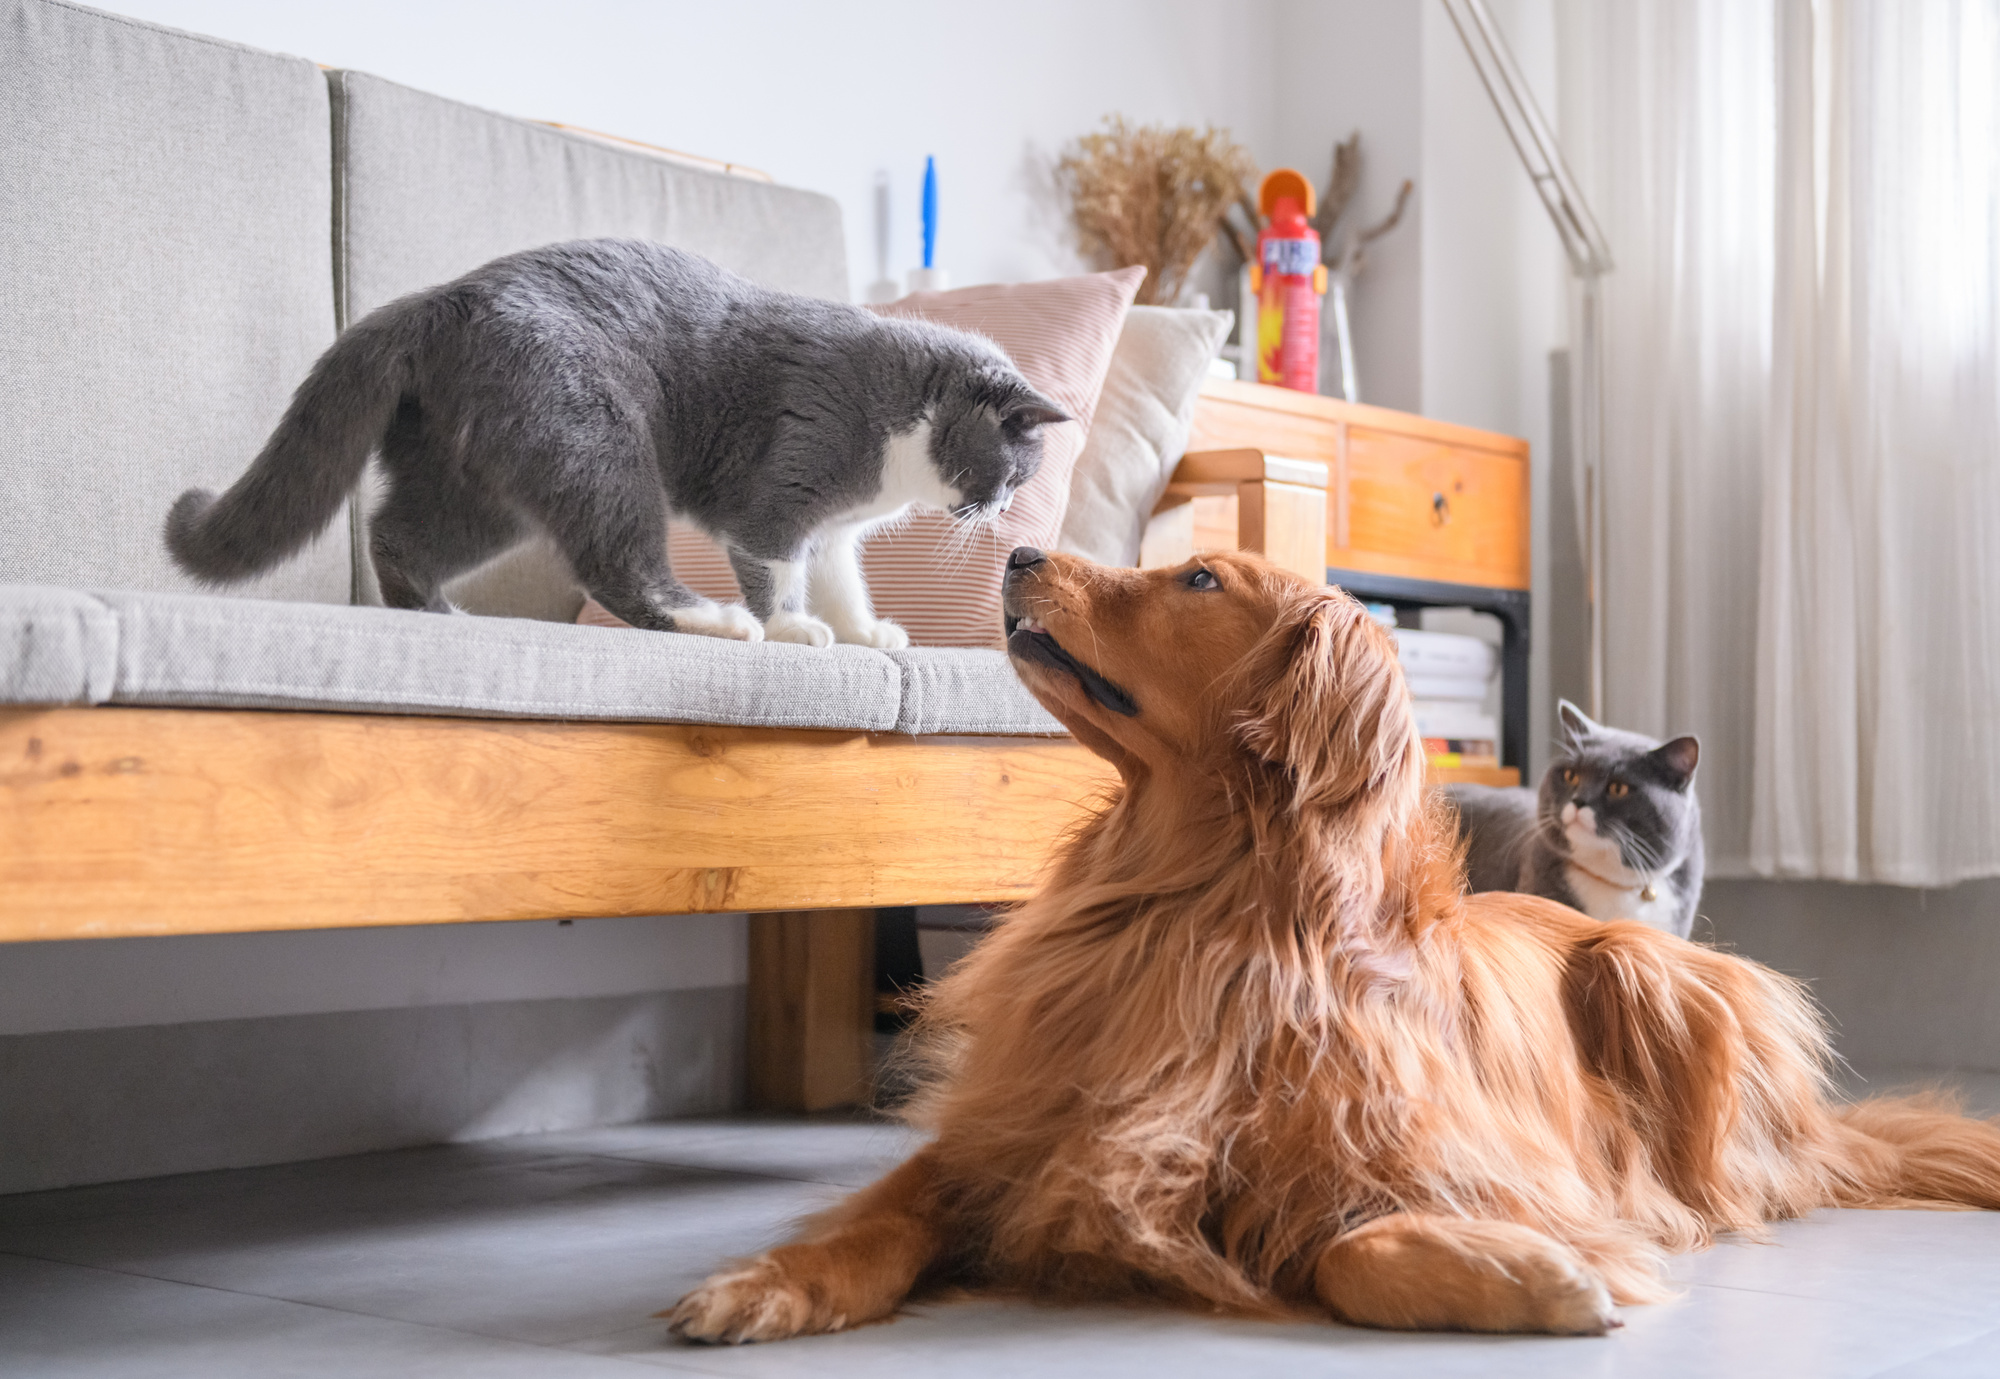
[(930, 212)]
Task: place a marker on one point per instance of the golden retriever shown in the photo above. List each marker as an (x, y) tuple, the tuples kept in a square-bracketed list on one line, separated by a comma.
[(1252, 1050)]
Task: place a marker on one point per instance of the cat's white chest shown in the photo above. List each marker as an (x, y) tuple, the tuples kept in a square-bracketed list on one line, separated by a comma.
[(1604, 887), (1601, 901)]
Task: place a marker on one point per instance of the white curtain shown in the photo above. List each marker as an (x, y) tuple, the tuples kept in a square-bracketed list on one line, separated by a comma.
[(1803, 415)]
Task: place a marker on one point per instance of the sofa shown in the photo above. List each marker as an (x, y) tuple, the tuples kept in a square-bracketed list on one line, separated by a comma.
[(188, 225)]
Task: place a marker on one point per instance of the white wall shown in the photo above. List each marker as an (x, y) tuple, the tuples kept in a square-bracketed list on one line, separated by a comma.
[(119, 983), (1347, 65), (1906, 975), (823, 96)]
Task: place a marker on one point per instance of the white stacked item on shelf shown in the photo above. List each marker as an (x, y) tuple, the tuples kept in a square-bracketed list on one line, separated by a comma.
[(1451, 679)]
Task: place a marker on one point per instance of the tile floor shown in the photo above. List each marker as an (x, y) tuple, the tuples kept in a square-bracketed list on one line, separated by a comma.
[(543, 1257)]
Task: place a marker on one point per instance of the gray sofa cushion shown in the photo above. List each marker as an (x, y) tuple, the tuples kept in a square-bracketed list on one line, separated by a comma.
[(177, 649), (56, 646), (429, 188), (164, 204), (59, 646), (949, 690)]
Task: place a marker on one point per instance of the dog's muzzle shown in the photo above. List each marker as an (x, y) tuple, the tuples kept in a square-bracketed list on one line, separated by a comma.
[(1028, 640)]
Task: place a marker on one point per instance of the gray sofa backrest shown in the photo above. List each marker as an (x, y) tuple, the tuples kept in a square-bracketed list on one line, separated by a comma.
[(166, 279), (428, 188), (163, 287)]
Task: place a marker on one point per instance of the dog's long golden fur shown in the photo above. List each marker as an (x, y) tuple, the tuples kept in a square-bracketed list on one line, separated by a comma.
[(1252, 1049)]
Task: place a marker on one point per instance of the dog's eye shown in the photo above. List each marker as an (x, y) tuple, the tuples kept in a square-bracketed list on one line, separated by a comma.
[(1618, 790), (1571, 776), (1203, 579)]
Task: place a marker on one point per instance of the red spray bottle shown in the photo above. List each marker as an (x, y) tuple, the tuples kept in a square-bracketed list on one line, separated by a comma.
[(1289, 281)]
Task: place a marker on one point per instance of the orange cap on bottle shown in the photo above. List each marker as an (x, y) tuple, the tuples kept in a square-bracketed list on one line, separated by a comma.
[(1285, 184)]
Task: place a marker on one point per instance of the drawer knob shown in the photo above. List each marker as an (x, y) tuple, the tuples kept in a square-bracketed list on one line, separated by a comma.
[(1440, 509)]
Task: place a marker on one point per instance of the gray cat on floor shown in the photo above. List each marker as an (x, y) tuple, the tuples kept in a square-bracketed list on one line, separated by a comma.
[(585, 390), (1615, 833)]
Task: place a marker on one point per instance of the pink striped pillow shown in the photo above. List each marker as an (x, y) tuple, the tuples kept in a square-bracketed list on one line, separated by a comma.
[(941, 584)]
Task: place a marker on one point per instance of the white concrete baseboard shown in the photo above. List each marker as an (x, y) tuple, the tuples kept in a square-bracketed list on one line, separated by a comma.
[(99, 1105)]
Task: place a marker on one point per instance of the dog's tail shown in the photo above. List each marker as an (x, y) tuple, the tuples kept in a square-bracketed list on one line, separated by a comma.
[(297, 483), (1924, 1149)]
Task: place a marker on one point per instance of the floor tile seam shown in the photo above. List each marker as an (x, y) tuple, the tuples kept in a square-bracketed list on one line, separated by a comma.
[(558, 1348), (685, 1367), (733, 1172), (1909, 1360), (1935, 1313)]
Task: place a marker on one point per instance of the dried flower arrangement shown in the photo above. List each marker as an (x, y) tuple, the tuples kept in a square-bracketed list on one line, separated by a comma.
[(1153, 196)]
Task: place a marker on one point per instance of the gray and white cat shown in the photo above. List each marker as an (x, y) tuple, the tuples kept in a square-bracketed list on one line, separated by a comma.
[(586, 390), (1616, 832)]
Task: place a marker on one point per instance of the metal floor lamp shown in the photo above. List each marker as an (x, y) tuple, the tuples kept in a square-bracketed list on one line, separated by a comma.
[(1589, 261)]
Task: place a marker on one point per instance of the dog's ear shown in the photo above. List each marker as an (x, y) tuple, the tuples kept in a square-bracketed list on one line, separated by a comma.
[(1332, 713)]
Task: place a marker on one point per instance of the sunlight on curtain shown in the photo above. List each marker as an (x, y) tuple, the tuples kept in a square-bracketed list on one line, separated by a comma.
[(1667, 111), (1878, 673), (1803, 415)]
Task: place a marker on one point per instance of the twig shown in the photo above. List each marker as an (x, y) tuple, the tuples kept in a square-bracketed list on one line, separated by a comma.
[(1388, 222), (1340, 187)]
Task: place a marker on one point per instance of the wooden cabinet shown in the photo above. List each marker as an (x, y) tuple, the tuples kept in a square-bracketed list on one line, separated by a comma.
[(1425, 509), (1406, 496)]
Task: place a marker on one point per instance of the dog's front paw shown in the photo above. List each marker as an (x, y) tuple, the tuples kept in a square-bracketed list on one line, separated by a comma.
[(729, 620), (879, 633), (802, 628), (1565, 1297), (758, 1302)]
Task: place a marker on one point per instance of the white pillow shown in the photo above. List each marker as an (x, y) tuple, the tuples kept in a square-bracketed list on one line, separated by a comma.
[(1140, 429)]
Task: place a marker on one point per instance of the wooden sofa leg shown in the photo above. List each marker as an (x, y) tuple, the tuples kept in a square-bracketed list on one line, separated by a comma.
[(812, 1009)]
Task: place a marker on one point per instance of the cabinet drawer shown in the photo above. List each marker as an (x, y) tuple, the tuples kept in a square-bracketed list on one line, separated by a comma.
[(1427, 510)]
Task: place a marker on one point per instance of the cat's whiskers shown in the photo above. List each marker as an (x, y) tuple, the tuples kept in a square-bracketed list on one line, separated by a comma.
[(961, 544)]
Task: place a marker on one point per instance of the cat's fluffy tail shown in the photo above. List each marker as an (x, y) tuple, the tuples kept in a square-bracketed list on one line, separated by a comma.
[(305, 471)]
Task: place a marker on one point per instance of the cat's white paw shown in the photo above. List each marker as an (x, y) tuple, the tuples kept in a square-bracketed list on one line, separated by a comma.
[(881, 634), (802, 628), (731, 620)]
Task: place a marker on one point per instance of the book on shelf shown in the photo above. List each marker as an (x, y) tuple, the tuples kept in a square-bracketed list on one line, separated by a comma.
[(1445, 656), (1446, 761), (1461, 746), (1455, 719)]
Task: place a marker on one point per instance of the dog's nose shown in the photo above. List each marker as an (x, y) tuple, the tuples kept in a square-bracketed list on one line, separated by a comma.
[(1025, 557)]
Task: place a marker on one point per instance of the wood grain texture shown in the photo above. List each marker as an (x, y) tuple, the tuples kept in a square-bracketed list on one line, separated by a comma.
[(1241, 500), (1386, 471), (1226, 468), (812, 1005), (1293, 519), (1473, 775), (1226, 418), (121, 821), (1427, 510)]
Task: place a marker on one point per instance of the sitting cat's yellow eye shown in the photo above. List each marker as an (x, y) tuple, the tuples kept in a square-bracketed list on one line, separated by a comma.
[(1618, 790), (1570, 776)]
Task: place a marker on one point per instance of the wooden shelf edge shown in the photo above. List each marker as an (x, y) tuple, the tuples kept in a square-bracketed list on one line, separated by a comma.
[(1361, 414), (1220, 467), (1472, 775)]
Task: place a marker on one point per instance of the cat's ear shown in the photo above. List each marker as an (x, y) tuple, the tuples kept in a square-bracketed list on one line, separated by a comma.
[(1030, 410), (1677, 760), (1575, 723)]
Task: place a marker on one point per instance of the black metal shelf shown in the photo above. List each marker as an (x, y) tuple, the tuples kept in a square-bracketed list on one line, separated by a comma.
[(1511, 606)]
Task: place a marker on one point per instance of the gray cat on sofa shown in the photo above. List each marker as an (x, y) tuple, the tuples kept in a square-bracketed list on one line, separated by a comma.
[(585, 390), (1615, 832)]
